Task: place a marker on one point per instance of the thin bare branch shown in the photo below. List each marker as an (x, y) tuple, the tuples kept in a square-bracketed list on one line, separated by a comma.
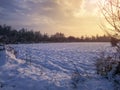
[(111, 13)]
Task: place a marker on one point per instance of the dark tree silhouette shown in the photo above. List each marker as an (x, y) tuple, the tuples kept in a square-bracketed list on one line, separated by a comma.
[(9, 35)]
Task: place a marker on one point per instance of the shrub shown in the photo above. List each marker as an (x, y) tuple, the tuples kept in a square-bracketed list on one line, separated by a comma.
[(109, 67), (105, 65)]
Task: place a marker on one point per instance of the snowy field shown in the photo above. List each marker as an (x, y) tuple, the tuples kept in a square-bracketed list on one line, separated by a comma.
[(52, 66)]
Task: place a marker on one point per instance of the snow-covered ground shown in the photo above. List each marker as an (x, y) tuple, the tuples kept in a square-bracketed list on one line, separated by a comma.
[(52, 66)]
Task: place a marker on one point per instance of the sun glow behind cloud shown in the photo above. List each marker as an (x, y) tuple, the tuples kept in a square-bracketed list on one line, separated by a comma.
[(72, 17)]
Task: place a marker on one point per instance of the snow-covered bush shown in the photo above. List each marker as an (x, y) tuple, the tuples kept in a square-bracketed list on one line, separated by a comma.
[(76, 78), (109, 67), (105, 65)]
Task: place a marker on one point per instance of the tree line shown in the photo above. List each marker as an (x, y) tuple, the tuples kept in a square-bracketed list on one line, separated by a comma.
[(14, 36)]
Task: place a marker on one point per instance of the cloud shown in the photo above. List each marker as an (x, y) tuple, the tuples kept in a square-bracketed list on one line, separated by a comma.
[(46, 15), (55, 9)]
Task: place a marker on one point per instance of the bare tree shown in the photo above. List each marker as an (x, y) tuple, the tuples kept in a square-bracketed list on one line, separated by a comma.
[(109, 65), (111, 12)]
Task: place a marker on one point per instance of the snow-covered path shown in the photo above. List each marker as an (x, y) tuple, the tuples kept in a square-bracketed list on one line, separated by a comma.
[(51, 66)]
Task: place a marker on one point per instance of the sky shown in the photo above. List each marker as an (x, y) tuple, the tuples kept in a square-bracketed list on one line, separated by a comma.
[(71, 17)]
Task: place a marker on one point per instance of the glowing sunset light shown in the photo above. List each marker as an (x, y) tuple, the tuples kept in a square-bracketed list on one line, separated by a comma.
[(71, 17)]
